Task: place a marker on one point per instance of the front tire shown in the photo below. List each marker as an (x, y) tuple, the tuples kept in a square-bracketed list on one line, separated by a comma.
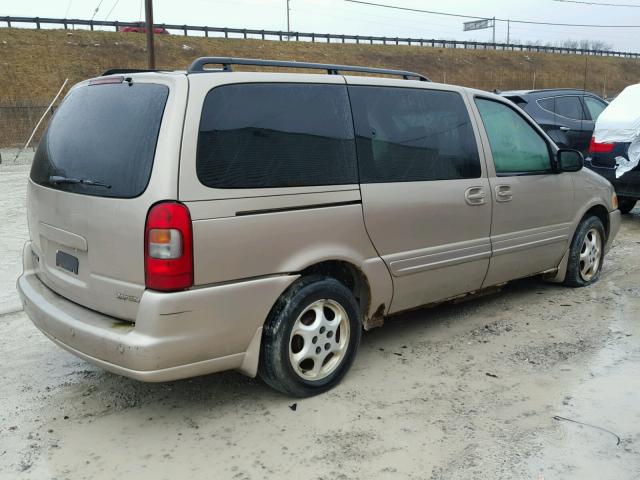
[(626, 204), (310, 338), (586, 254)]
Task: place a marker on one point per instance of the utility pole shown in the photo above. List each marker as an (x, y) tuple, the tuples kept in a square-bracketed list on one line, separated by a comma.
[(494, 30), (151, 54), (288, 24), (508, 31)]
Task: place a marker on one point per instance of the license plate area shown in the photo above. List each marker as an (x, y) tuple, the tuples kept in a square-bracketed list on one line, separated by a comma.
[(67, 261)]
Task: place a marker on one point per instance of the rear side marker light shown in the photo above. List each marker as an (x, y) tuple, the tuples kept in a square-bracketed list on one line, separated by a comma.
[(168, 247), (596, 147)]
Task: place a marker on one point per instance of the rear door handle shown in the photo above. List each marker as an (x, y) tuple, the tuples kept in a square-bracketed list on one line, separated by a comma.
[(475, 196), (504, 193), (565, 129)]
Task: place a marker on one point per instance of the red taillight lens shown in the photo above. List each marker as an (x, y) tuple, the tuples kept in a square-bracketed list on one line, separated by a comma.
[(595, 147), (168, 247)]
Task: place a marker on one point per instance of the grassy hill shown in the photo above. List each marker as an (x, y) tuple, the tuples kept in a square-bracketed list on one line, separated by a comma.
[(34, 63)]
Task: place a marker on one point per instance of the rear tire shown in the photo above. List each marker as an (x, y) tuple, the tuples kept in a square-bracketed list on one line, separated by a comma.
[(586, 254), (311, 337), (626, 204)]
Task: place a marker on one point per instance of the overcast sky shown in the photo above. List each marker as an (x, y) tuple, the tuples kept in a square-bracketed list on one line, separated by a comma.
[(338, 16)]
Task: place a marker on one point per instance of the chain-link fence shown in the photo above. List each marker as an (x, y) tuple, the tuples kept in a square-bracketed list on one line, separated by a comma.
[(18, 120)]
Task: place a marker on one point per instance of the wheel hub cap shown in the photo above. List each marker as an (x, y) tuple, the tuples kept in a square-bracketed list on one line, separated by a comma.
[(319, 340), (590, 255)]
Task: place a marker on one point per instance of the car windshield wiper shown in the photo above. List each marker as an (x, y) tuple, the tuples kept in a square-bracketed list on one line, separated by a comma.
[(56, 180)]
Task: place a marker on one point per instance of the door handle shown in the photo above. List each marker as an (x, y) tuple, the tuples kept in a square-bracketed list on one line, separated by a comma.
[(565, 129), (475, 196), (504, 193)]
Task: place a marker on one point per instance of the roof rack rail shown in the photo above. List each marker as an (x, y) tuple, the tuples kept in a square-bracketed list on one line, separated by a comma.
[(198, 66)]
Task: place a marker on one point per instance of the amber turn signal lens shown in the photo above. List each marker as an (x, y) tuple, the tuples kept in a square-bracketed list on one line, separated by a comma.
[(614, 201), (160, 235)]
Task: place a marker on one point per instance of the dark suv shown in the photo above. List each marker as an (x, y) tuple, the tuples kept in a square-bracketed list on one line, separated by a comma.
[(567, 115), (603, 158)]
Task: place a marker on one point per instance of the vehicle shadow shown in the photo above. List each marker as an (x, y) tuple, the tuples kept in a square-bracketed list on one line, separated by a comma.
[(105, 392)]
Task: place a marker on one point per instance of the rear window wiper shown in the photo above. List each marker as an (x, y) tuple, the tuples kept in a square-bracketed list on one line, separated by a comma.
[(57, 180)]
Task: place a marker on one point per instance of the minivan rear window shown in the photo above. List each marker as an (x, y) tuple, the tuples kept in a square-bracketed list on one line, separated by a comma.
[(102, 140), (267, 135)]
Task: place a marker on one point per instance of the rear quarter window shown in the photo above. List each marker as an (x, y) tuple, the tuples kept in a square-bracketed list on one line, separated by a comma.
[(105, 134), (271, 135)]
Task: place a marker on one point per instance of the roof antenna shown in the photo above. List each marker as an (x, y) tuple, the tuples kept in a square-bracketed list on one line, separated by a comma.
[(41, 119)]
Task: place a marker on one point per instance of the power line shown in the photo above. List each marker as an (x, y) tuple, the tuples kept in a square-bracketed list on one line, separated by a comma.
[(598, 4), (96, 10), (66, 14), (489, 18), (112, 8)]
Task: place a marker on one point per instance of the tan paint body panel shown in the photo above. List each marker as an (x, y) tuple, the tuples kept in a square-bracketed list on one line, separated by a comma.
[(530, 233), (437, 240), (532, 230), (415, 243), (435, 244), (106, 234), (175, 335), (230, 244)]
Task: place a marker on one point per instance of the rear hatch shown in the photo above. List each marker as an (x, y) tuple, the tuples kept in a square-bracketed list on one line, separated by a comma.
[(109, 153)]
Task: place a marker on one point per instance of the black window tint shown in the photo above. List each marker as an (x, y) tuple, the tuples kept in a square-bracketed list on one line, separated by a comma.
[(276, 135), (547, 104), (569, 107), (406, 135), (102, 133), (521, 102)]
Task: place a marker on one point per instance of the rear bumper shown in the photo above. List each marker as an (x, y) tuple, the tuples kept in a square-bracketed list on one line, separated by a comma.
[(176, 335)]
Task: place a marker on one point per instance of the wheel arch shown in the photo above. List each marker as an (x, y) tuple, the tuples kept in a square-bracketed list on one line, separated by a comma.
[(352, 277), (595, 208), (602, 213)]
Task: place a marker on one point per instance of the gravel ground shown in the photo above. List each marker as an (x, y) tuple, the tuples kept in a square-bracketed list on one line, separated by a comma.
[(13, 230), (466, 391)]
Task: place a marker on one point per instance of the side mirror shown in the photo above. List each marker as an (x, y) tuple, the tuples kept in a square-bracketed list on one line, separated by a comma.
[(569, 160)]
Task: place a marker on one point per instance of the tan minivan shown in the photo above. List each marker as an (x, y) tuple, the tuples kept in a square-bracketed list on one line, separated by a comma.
[(184, 223)]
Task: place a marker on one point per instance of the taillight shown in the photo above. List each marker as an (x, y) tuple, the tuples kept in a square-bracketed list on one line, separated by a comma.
[(595, 147), (168, 247)]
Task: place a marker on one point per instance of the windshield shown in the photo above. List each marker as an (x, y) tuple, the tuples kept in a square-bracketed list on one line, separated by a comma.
[(102, 140)]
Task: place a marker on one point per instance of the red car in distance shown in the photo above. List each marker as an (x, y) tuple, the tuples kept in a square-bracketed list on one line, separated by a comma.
[(142, 29)]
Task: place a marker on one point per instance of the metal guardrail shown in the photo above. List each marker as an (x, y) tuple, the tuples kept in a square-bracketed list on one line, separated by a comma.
[(313, 37)]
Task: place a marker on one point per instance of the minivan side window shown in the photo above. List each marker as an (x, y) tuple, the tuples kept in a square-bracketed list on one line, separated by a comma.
[(570, 107), (516, 146), (268, 135), (410, 134)]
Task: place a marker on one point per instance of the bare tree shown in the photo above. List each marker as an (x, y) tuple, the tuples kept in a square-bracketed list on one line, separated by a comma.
[(600, 45), (570, 44)]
